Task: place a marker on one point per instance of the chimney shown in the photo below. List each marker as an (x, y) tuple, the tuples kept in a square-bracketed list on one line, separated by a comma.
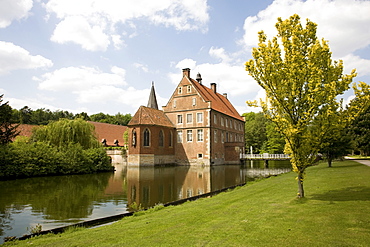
[(199, 78), (213, 87), (225, 95), (186, 72)]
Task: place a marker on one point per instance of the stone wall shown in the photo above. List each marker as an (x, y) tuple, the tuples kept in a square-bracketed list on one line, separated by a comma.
[(117, 156)]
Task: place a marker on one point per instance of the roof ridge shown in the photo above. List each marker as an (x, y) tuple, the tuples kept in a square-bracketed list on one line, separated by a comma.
[(218, 101)]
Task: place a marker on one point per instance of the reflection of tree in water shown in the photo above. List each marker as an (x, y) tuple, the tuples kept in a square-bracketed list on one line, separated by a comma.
[(59, 197), (5, 221)]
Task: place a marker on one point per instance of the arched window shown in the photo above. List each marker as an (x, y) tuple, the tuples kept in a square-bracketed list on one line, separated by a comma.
[(161, 138), (134, 137), (170, 142), (146, 138)]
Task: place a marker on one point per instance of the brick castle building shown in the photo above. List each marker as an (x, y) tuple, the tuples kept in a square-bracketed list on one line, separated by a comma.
[(198, 126)]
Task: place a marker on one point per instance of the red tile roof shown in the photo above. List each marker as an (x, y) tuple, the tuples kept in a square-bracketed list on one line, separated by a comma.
[(26, 129), (150, 116), (109, 132), (218, 102)]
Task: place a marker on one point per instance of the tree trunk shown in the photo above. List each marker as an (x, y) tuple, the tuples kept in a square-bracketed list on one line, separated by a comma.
[(329, 162), (300, 185)]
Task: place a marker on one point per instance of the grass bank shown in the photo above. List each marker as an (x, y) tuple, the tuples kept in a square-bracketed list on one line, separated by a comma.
[(335, 212)]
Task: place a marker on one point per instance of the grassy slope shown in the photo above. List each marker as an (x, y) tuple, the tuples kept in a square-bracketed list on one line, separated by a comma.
[(335, 212)]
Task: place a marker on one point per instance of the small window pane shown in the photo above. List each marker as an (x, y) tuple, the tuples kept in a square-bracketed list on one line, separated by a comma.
[(189, 135)]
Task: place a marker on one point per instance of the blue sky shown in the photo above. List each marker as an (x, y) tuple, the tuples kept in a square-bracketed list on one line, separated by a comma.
[(102, 55)]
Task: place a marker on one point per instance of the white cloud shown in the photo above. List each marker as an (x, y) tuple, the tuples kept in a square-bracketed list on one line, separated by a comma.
[(89, 23), (31, 102), (91, 86), (78, 30), (142, 67), (13, 57), (231, 79), (11, 10), (344, 23), (117, 41), (77, 79), (220, 53), (355, 62)]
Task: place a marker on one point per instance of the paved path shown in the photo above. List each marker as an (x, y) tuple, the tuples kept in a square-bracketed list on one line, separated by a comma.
[(364, 162)]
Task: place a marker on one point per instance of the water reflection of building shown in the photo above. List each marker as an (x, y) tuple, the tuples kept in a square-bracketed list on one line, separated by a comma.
[(148, 186), (197, 126)]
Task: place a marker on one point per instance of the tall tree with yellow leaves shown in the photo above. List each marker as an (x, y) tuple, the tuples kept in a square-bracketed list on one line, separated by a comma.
[(302, 84)]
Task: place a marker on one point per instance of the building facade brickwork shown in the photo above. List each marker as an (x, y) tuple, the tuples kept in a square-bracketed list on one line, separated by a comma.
[(198, 126)]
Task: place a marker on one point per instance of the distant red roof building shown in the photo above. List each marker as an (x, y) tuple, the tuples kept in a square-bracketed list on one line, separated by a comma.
[(109, 132)]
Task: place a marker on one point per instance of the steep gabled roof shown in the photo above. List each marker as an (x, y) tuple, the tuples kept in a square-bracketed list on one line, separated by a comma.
[(150, 116), (218, 102), (152, 102)]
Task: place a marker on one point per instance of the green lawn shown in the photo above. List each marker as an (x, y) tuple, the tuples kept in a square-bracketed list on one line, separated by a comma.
[(335, 212)]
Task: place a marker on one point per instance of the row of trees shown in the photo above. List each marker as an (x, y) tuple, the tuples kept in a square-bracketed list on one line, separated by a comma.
[(43, 116), (262, 135)]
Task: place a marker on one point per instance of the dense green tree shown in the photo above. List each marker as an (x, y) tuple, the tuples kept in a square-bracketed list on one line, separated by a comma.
[(301, 84), (275, 141), (8, 131), (261, 134), (118, 119), (360, 132), (25, 115), (43, 116), (255, 131), (61, 133), (83, 115)]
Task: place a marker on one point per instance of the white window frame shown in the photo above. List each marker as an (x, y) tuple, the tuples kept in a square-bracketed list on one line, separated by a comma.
[(189, 117), (189, 135), (179, 136), (199, 117), (200, 135), (179, 119)]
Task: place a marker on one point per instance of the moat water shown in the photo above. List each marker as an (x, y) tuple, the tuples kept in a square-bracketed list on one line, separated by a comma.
[(63, 200)]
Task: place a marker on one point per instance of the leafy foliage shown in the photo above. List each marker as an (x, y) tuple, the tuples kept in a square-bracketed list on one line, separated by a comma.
[(302, 84), (63, 147), (44, 116), (261, 134), (8, 131), (360, 132), (255, 131), (66, 131)]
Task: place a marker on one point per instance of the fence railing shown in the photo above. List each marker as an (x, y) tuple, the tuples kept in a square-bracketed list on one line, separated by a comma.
[(265, 156)]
